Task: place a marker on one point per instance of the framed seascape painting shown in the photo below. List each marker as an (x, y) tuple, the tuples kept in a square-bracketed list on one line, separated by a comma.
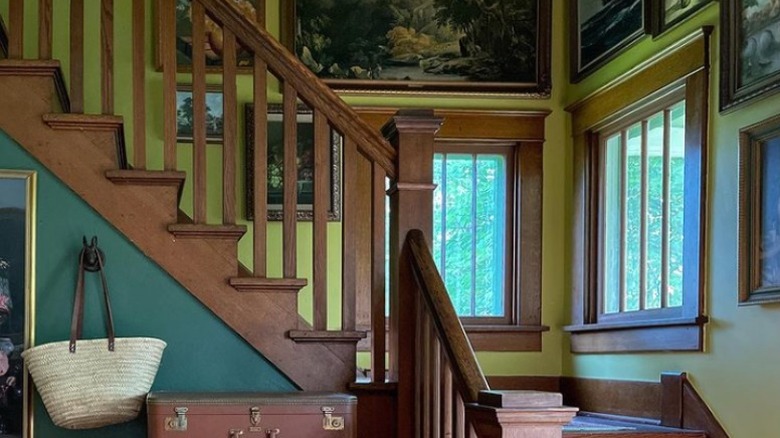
[(665, 14), (214, 38), (17, 277), (215, 117), (600, 30), (305, 133), (750, 51), (759, 216), (424, 46)]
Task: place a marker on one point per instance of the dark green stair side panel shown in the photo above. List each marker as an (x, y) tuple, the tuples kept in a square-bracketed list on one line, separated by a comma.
[(203, 354)]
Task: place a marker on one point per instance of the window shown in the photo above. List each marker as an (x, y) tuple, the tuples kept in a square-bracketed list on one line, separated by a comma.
[(639, 204), (472, 220)]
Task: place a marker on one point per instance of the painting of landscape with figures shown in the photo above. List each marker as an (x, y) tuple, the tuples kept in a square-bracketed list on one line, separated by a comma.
[(471, 45)]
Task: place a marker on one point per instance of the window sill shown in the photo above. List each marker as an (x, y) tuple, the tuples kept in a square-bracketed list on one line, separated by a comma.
[(679, 334), (515, 338)]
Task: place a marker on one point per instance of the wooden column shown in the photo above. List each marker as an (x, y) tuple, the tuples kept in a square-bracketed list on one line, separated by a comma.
[(519, 414), (411, 202)]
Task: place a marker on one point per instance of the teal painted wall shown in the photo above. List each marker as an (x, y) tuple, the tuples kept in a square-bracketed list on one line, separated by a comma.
[(202, 354)]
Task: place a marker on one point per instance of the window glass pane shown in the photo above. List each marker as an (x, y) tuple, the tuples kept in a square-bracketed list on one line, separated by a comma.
[(676, 205), (469, 230), (612, 219), (655, 211), (490, 238), (633, 216)]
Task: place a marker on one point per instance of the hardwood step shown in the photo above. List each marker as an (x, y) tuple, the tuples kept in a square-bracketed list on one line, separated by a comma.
[(326, 335), (268, 285), (37, 67), (167, 178), (585, 426), (205, 231), (113, 125)]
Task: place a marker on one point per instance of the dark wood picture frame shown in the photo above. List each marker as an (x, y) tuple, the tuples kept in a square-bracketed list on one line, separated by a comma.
[(537, 85), (753, 186), (749, 65), (214, 134), (580, 68), (305, 212), (658, 13), (183, 45), (3, 38)]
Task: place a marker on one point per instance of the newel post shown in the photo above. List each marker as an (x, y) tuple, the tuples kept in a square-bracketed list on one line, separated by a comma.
[(412, 133), (519, 414)]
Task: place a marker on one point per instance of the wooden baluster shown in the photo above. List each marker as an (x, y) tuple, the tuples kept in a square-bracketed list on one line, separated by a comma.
[(322, 149), (167, 10), (199, 112), (419, 377), (460, 415), (471, 432), (427, 365), (378, 305), (290, 221), (349, 228), (139, 84), (260, 98), (77, 56), (16, 29), (230, 127), (107, 55), (436, 380), (446, 397), (44, 29)]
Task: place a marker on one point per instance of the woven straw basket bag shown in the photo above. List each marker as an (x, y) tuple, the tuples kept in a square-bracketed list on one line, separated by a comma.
[(97, 382)]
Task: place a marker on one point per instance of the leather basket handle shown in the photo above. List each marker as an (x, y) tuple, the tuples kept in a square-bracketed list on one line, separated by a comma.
[(77, 320)]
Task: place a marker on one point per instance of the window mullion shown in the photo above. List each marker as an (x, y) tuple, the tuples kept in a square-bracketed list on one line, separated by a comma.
[(643, 221), (623, 216), (474, 235), (666, 206), (443, 243)]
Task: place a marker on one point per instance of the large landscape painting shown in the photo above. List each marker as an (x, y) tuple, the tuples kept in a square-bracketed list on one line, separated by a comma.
[(459, 45)]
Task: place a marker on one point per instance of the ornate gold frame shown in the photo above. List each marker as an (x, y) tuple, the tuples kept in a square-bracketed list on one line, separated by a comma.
[(29, 288)]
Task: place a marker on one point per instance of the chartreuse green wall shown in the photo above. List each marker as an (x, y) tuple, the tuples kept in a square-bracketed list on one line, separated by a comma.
[(203, 354), (737, 373)]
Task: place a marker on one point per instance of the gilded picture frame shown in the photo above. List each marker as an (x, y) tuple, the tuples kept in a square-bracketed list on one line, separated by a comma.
[(759, 213), (17, 298), (305, 133)]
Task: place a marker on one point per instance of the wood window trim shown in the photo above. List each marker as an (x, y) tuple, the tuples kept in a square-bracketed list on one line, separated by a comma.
[(525, 131), (686, 64)]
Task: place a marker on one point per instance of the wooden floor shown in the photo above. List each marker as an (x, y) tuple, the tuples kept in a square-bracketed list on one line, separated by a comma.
[(594, 427)]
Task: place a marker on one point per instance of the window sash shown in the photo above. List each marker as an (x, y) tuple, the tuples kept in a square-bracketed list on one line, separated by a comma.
[(507, 150), (620, 129)]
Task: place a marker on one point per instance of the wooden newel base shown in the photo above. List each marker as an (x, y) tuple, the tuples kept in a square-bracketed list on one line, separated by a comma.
[(519, 414)]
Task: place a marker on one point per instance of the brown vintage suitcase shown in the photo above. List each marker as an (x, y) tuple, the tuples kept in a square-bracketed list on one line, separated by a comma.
[(248, 415)]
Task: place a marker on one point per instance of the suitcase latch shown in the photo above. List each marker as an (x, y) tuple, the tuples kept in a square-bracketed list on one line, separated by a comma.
[(178, 423), (330, 422), (254, 416)]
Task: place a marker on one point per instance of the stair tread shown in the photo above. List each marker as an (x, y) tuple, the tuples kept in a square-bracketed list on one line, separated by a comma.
[(589, 427), (84, 121), (206, 231), (326, 335), (260, 284), (146, 177)]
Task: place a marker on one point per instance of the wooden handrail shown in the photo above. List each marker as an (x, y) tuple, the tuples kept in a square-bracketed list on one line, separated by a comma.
[(313, 91), (465, 369)]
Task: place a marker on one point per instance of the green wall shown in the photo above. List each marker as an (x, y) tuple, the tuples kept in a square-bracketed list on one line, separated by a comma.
[(202, 354), (737, 373)]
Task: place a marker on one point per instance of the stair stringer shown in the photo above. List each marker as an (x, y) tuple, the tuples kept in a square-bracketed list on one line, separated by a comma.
[(81, 159)]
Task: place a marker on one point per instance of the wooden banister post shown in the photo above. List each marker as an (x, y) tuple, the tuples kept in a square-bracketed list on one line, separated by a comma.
[(519, 414), (412, 133)]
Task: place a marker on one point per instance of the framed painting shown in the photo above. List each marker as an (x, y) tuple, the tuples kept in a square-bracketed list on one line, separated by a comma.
[(305, 132), (600, 30), (750, 51), (423, 46), (17, 278), (665, 14), (215, 116), (214, 38), (759, 216)]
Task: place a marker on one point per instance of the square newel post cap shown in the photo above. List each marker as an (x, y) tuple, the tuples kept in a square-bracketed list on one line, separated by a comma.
[(520, 399), (418, 121)]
